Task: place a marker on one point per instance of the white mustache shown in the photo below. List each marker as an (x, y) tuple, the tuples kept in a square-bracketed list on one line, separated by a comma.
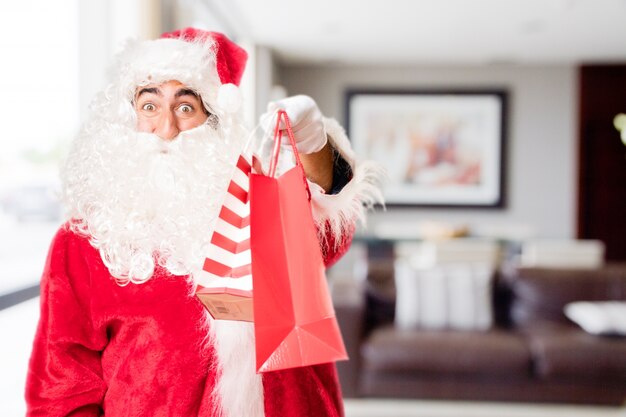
[(155, 144)]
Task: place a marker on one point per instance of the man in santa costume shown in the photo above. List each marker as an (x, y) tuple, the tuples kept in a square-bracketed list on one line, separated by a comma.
[(121, 332)]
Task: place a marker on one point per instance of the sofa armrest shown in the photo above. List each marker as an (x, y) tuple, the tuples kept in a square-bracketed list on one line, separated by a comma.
[(540, 294), (349, 303)]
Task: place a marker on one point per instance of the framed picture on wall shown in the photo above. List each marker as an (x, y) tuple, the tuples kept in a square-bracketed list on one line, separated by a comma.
[(440, 148)]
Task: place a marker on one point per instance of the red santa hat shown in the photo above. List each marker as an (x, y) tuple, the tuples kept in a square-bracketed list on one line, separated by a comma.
[(207, 62), (230, 62)]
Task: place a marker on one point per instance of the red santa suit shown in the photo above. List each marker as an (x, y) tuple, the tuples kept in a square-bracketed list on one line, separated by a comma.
[(150, 348), (136, 350)]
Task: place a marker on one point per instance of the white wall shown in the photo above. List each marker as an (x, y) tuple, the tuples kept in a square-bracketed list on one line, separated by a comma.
[(541, 141), (257, 81)]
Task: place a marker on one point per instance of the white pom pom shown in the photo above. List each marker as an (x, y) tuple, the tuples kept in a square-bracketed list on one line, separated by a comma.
[(229, 98)]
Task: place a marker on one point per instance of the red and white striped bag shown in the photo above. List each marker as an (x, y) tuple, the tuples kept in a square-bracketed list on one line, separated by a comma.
[(225, 282)]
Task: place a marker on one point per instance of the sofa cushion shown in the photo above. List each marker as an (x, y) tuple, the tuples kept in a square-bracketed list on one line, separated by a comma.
[(600, 317), (464, 352), (451, 296), (567, 353), (541, 294)]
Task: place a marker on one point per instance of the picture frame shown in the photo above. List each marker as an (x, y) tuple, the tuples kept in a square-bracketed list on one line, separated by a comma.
[(440, 148)]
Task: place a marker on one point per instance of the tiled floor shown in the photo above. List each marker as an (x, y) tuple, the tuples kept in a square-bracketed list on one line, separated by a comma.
[(18, 323), (390, 408)]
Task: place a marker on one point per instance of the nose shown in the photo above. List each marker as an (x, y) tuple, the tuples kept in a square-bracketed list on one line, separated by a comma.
[(167, 126)]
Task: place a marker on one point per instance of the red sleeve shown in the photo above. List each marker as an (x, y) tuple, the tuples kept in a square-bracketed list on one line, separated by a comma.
[(65, 372), (334, 248)]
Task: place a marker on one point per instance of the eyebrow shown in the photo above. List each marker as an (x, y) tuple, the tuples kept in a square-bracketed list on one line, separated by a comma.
[(149, 90), (180, 93), (186, 92)]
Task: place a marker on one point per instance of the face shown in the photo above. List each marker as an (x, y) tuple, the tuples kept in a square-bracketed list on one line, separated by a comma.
[(167, 109)]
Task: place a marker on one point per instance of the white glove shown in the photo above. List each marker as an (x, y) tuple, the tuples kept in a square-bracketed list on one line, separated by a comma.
[(306, 122)]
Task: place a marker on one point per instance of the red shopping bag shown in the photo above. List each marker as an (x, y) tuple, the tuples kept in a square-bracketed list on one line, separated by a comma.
[(294, 319), (225, 282)]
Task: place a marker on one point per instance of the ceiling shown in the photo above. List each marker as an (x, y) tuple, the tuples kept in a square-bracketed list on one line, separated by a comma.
[(395, 32)]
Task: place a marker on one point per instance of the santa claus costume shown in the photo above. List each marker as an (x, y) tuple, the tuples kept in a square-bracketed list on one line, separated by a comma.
[(121, 332)]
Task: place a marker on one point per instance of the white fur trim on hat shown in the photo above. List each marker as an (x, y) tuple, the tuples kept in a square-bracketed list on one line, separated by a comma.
[(229, 98), (153, 62)]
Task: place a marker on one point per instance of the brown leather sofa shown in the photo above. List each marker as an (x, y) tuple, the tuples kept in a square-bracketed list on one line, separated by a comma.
[(532, 353)]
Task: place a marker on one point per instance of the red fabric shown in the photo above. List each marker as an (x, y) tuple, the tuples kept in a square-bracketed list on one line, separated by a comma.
[(308, 391), (230, 57), (332, 251), (138, 350)]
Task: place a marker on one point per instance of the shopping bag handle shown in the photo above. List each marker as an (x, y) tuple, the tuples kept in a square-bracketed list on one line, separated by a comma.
[(277, 139)]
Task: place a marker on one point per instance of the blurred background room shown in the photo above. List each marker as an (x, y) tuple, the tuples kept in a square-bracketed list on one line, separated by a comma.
[(493, 283)]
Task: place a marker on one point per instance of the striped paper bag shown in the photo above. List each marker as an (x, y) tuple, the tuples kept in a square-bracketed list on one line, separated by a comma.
[(225, 282)]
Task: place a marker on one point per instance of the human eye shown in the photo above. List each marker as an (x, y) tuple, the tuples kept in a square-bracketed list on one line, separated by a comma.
[(148, 107), (186, 108)]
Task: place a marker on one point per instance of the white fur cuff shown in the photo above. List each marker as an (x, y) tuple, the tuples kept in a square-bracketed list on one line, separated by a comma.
[(341, 211)]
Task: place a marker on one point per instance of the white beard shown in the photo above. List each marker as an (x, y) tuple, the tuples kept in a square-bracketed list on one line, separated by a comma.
[(141, 199)]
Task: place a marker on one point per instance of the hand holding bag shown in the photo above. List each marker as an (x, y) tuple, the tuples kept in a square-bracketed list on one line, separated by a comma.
[(294, 319)]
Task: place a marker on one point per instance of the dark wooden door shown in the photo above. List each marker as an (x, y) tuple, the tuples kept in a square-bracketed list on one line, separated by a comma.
[(602, 158)]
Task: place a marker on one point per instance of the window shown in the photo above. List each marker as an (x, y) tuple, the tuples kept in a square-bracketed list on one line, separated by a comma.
[(39, 108), (40, 113)]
